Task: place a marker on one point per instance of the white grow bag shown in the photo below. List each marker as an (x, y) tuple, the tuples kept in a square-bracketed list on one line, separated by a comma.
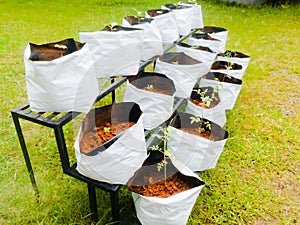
[(235, 57), (205, 40), (166, 23), (171, 210), (184, 16), (185, 74), (197, 15), (64, 84), (206, 56), (236, 71), (115, 163), (152, 40), (157, 107), (228, 92), (216, 114), (117, 52), (217, 33), (197, 153)]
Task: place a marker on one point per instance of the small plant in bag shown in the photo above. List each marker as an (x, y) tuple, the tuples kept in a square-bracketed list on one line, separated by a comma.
[(138, 15), (202, 123), (224, 77), (149, 87), (106, 129), (164, 137), (231, 53), (112, 26), (229, 66), (205, 99), (175, 62)]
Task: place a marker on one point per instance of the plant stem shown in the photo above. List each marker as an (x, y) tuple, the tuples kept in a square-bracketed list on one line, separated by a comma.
[(165, 162)]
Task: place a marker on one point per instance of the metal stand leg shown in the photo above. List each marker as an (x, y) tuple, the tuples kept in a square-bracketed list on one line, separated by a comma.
[(93, 202), (114, 198), (62, 148), (113, 93), (25, 154)]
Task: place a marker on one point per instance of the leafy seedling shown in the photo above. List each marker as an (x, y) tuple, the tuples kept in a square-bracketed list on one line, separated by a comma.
[(201, 122), (164, 135), (149, 87), (175, 62), (106, 129), (138, 15)]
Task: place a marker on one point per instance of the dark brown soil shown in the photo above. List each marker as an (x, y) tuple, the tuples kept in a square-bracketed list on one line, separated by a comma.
[(204, 133), (159, 83), (159, 91), (202, 128), (208, 92), (233, 54), (163, 189), (199, 103), (156, 12), (98, 136), (223, 65), (51, 51), (222, 78)]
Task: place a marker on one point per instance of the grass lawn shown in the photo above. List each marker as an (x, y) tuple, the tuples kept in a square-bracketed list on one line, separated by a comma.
[(256, 180)]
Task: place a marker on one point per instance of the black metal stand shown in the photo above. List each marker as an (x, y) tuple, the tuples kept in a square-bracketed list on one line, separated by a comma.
[(25, 113), (56, 121)]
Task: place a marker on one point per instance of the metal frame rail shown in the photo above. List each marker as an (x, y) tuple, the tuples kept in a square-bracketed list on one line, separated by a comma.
[(56, 121)]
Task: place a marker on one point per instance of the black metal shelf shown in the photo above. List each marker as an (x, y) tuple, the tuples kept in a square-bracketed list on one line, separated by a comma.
[(56, 121)]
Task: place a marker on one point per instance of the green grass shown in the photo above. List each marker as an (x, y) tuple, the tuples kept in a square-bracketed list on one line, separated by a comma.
[(256, 180)]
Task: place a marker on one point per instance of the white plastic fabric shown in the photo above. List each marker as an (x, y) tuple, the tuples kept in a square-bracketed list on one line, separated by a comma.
[(215, 45), (118, 162), (244, 62), (167, 211), (207, 58), (222, 36), (185, 18), (184, 76), (197, 153), (216, 114), (219, 47), (228, 92), (115, 53), (197, 15), (68, 83), (152, 40), (232, 73), (167, 26), (156, 107)]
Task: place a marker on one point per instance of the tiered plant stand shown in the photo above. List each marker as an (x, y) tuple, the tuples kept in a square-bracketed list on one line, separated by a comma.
[(49, 120), (57, 121)]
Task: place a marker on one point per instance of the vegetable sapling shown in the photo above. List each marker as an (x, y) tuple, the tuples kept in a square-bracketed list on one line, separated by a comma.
[(164, 137)]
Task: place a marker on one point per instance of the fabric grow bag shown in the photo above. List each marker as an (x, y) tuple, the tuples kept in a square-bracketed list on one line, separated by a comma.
[(60, 76), (184, 70), (184, 16), (197, 15), (115, 51), (116, 160), (205, 40), (165, 211), (197, 153), (230, 87), (217, 33), (231, 69), (200, 53), (152, 40), (166, 23), (235, 57), (157, 106), (216, 114)]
